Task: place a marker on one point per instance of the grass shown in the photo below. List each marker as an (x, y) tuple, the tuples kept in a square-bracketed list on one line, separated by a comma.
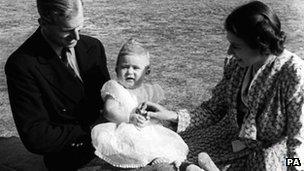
[(185, 38)]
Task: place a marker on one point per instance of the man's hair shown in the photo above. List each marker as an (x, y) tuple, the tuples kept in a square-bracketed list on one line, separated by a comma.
[(257, 25), (51, 10)]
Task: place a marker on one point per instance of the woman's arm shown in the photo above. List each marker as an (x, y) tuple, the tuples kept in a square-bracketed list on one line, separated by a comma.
[(208, 113), (295, 125), (293, 90), (295, 129), (212, 110), (216, 107)]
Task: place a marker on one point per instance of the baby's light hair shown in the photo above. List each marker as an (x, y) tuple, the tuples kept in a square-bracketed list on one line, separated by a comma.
[(132, 47)]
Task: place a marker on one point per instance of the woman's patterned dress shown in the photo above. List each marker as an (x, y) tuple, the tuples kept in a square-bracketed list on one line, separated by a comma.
[(273, 124)]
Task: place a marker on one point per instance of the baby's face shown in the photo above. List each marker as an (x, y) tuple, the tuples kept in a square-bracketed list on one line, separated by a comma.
[(131, 70)]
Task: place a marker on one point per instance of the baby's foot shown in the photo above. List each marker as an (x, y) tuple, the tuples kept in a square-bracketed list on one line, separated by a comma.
[(160, 160), (206, 163), (193, 167)]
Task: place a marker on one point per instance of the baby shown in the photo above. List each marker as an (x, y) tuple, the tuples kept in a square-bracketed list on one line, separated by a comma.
[(131, 139)]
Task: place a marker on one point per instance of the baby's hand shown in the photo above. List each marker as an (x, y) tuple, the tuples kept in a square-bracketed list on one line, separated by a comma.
[(142, 110), (138, 120)]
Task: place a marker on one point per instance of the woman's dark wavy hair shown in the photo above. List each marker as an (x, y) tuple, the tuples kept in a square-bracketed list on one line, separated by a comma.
[(258, 26)]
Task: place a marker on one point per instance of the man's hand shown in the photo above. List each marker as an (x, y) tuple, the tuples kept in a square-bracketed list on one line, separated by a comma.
[(159, 112)]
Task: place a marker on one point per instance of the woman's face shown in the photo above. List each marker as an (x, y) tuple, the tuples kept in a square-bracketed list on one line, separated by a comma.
[(244, 54)]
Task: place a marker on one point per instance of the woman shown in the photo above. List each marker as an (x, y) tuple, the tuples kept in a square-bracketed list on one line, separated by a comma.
[(254, 120)]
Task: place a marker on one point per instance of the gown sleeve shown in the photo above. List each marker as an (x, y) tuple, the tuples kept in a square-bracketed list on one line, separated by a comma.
[(156, 93), (108, 89)]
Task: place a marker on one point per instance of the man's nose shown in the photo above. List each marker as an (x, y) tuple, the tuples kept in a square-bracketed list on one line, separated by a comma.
[(230, 51), (75, 34)]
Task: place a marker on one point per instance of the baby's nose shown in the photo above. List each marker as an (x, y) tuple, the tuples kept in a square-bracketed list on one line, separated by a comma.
[(130, 70)]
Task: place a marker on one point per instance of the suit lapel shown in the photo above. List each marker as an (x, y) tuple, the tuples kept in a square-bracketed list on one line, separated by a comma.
[(56, 73), (81, 54)]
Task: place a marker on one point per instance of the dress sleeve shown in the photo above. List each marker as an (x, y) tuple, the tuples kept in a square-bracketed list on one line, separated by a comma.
[(110, 88), (214, 109), (157, 94), (295, 116)]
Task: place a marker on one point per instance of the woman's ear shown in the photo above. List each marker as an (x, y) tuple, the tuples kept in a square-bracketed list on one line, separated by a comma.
[(148, 70)]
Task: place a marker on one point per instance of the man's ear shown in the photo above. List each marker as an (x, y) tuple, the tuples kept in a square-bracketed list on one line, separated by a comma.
[(148, 70), (43, 21)]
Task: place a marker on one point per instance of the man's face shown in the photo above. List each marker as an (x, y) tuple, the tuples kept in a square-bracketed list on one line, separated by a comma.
[(65, 32)]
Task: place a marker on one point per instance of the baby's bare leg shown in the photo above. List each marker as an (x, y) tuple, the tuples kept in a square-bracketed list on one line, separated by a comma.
[(206, 163), (193, 167)]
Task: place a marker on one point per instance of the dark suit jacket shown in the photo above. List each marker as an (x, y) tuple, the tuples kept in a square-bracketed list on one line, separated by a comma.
[(52, 109)]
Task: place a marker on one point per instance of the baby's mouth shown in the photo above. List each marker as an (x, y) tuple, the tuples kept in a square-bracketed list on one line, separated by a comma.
[(130, 79)]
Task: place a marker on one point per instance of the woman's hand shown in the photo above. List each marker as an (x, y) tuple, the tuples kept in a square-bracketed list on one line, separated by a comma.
[(159, 112)]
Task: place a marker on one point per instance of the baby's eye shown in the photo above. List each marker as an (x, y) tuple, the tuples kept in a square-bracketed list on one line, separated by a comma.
[(124, 67)]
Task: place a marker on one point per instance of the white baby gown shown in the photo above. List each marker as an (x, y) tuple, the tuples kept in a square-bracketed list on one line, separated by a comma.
[(128, 146)]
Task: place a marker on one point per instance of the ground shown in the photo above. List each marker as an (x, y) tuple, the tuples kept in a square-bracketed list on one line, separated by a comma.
[(186, 40)]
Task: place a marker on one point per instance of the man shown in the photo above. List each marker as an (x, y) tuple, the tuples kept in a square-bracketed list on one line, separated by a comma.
[(54, 81)]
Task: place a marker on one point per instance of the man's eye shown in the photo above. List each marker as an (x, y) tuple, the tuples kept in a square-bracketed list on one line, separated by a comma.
[(235, 47)]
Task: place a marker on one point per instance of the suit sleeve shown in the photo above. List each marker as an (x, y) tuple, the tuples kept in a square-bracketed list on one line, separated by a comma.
[(36, 131), (103, 64)]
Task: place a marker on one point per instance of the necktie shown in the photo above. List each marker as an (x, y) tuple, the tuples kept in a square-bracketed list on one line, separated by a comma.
[(64, 58)]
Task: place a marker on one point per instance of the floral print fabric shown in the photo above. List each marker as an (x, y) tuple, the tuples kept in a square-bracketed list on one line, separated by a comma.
[(272, 128)]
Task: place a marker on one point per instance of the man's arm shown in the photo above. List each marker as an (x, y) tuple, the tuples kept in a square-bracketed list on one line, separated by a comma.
[(35, 128), (103, 64)]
